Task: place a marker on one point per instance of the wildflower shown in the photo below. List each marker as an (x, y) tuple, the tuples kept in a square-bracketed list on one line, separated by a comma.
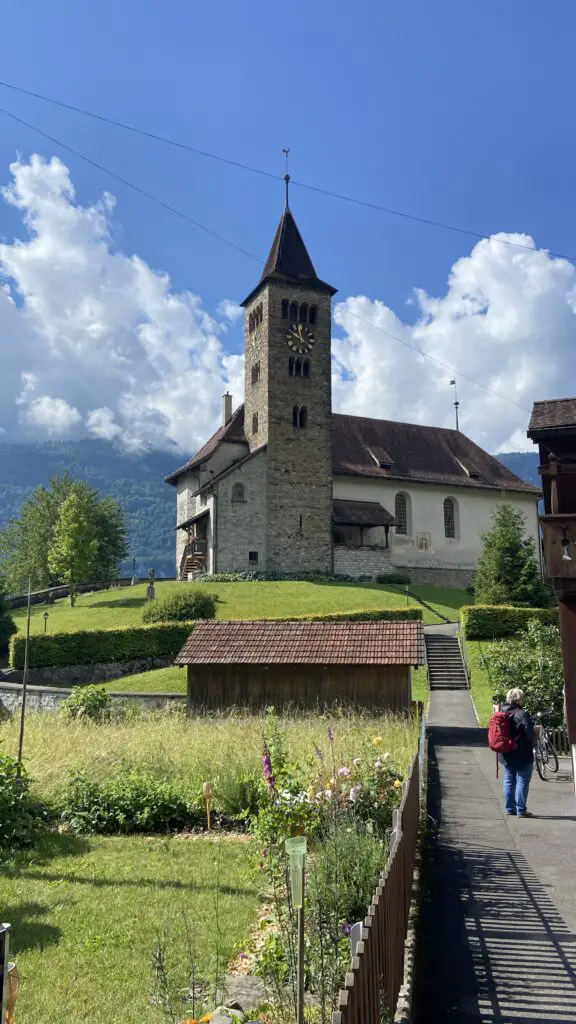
[(261, 866), (330, 735), (344, 772), (354, 794), (264, 854), (378, 764), (357, 762), (377, 741), (319, 753), (267, 769), (205, 1019), (397, 784), (347, 929), (328, 794)]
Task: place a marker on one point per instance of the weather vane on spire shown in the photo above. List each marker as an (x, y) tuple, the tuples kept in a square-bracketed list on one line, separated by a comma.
[(286, 151)]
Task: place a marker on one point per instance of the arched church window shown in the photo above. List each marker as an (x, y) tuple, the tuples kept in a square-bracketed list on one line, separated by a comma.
[(450, 518), (256, 373), (238, 492), (312, 312), (285, 307), (402, 514), (291, 366), (303, 417), (259, 313), (303, 314), (298, 368), (255, 423), (251, 322), (306, 368), (295, 416), (293, 312)]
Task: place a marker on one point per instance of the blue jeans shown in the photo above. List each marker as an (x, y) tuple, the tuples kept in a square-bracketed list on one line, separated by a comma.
[(516, 785)]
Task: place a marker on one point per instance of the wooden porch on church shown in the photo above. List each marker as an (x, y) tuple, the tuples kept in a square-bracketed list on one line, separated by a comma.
[(194, 559), (361, 538)]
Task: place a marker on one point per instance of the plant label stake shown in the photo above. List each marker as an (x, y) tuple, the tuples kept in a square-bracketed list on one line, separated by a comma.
[(207, 790), (296, 850)]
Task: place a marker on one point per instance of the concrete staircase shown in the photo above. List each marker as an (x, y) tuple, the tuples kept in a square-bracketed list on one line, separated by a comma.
[(446, 670)]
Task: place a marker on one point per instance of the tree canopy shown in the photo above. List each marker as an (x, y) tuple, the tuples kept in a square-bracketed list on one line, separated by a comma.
[(55, 522), (7, 624), (507, 570), (532, 661)]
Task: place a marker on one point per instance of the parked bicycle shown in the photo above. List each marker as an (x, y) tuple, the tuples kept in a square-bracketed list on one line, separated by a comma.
[(544, 754)]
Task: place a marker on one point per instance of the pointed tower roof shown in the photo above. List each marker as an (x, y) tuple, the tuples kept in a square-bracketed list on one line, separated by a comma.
[(288, 259)]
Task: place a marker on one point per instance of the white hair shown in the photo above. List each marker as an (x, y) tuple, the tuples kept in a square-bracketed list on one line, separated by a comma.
[(516, 696)]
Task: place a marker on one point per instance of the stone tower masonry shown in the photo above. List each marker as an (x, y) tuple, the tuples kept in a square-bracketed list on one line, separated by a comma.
[(288, 402)]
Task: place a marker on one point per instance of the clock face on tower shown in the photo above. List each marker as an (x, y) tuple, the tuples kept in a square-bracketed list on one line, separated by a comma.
[(300, 339)]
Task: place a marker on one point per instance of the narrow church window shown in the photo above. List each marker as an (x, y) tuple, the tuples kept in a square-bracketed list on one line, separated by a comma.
[(252, 558), (303, 315), (312, 315), (303, 417), (298, 368), (450, 518), (251, 322), (256, 373), (306, 368), (401, 514), (255, 423), (291, 366), (259, 314), (293, 312), (285, 305), (295, 416), (238, 492)]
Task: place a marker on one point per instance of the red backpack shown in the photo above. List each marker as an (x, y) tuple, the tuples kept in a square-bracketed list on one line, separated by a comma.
[(499, 733)]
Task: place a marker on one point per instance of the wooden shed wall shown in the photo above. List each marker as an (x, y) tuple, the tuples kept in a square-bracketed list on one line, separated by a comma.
[(256, 686)]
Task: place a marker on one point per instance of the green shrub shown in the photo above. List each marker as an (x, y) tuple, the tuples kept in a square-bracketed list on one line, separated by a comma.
[(127, 802), (488, 621), (20, 815), (93, 646), (532, 661), (182, 605), (362, 615), (7, 625), (91, 702), (394, 577)]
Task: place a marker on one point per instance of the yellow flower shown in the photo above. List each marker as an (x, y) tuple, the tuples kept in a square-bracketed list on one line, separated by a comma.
[(206, 1018), (397, 784), (377, 741)]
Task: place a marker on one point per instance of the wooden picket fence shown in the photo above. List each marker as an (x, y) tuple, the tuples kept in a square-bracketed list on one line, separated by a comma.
[(559, 739), (375, 978)]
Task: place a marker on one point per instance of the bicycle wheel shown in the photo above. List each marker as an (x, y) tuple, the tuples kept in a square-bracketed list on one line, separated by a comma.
[(551, 756), (541, 765)]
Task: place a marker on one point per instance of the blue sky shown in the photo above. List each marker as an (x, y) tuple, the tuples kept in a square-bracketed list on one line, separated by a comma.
[(457, 112)]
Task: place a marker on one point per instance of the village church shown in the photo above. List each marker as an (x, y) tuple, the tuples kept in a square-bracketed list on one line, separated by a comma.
[(285, 485)]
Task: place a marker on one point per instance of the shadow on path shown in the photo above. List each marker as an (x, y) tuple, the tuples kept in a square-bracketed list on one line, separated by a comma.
[(494, 947)]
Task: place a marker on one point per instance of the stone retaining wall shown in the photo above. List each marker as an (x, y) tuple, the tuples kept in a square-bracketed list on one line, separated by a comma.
[(361, 561), (436, 577), (46, 698), (74, 675)]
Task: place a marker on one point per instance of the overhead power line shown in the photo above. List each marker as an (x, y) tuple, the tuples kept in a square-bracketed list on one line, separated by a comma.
[(245, 252), (130, 184), (378, 207)]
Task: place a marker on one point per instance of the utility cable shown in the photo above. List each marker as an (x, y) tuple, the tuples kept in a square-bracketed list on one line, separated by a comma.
[(428, 221)]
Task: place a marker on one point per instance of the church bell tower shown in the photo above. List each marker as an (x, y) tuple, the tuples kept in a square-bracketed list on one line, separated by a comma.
[(288, 402)]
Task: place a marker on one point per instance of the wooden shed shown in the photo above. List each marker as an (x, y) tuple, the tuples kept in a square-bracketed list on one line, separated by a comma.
[(255, 664)]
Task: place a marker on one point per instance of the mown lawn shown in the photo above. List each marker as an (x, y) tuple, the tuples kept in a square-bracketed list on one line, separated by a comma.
[(257, 600), (444, 600), (87, 914), (481, 686)]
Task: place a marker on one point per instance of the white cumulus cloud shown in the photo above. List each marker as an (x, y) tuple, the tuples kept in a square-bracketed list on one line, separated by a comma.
[(95, 341)]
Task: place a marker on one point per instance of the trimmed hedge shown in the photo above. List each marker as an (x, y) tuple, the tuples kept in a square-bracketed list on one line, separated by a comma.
[(486, 621), (362, 615), (100, 646)]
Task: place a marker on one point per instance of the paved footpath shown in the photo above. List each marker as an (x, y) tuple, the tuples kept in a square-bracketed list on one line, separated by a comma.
[(499, 914)]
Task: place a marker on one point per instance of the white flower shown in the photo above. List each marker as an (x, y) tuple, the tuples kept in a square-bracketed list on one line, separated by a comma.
[(328, 794), (357, 762), (378, 764), (354, 794), (344, 772)]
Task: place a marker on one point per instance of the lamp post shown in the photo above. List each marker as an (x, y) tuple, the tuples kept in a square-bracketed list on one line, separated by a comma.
[(296, 850), (45, 621)]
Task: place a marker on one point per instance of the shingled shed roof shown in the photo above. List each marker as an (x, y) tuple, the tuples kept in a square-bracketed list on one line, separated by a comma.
[(389, 450), (360, 513), (304, 643), (555, 414)]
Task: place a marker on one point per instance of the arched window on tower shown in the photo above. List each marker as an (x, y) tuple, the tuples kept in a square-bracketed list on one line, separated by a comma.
[(285, 307), (306, 368), (251, 322), (303, 314), (303, 417), (312, 312), (298, 368), (255, 423), (291, 366), (403, 514), (295, 416), (294, 312), (238, 493)]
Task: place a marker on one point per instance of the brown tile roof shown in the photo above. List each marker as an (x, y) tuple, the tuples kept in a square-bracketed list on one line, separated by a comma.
[(555, 414), (304, 643), (360, 513), (233, 431), (389, 450)]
